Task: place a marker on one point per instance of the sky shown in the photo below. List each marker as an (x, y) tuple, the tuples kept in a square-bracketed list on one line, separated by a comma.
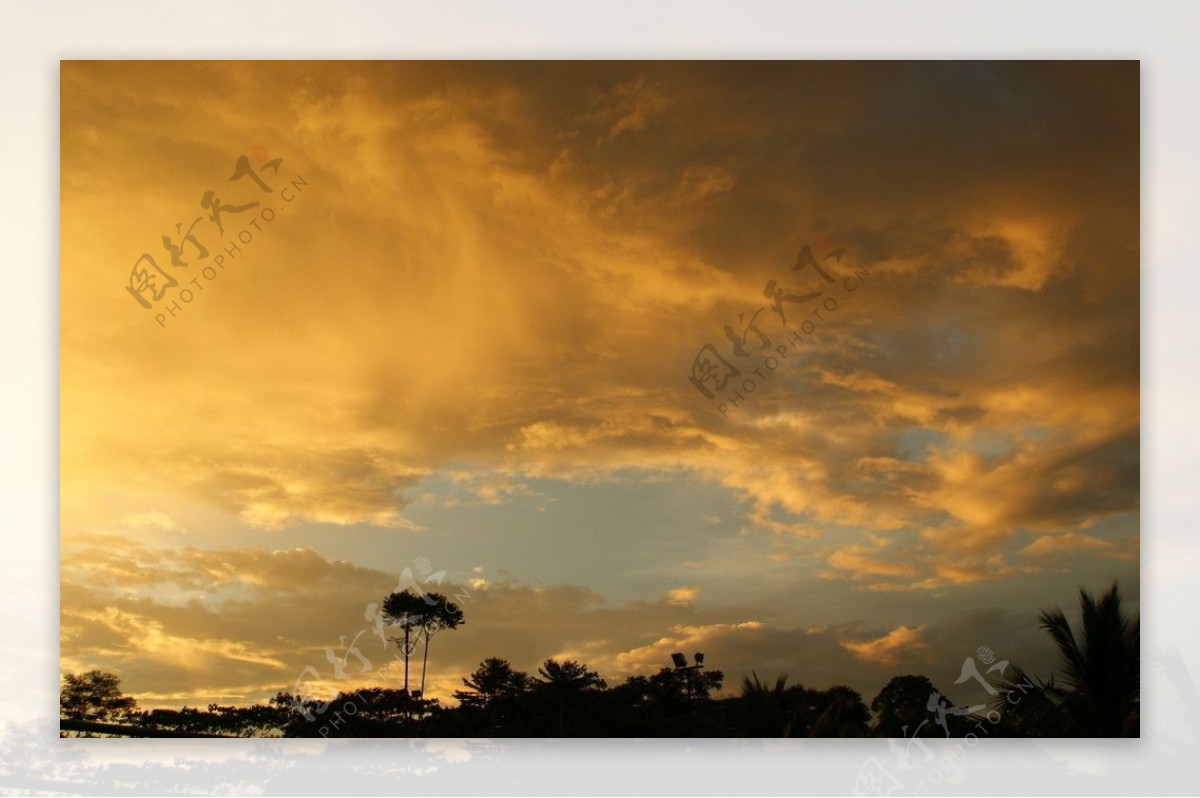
[(451, 322)]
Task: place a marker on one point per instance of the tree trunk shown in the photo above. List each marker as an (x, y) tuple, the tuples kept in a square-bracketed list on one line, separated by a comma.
[(406, 650), (424, 663)]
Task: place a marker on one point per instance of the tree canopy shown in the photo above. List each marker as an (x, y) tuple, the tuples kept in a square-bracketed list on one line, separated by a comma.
[(1092, 691)]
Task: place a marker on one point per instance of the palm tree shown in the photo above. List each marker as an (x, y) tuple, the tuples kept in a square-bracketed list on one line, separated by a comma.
[(763, 707), (1096, 687)]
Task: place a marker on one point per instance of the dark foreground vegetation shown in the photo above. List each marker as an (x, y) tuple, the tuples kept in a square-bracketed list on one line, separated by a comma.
[(1093, 692)]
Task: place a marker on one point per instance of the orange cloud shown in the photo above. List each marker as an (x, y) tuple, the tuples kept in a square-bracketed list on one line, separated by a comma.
[(492, 280), (1050, 546), (682, 596), (861, 560), (884, 650)]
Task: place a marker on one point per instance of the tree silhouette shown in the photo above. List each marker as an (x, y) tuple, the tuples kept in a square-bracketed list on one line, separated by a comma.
[(1093, 691), (685, 684), (569, 676), (777, 710), (495, 690), (493, 680), (1096, 687), (444, 615), (843, 713), (765, 711), (427, 614), (1039, 710), (96, 696), (901, 708), (564, 683)]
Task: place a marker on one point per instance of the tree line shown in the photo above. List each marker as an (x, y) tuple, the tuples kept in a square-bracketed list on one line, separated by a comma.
[(1093, 691)]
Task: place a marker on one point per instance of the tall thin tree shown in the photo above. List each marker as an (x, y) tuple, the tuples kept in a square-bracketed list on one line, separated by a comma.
[(421, 616), (443, 614), (407, 610)]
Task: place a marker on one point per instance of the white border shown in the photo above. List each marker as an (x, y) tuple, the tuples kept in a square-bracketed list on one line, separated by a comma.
[(1162, 36)]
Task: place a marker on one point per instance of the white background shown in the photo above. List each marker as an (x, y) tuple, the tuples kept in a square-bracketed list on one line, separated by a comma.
[(1163, 36)]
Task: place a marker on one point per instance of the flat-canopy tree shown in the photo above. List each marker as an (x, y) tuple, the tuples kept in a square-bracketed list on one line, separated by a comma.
[(445, 615), (421, 616)]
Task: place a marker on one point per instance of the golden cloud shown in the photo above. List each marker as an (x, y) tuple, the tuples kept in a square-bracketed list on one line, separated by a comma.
[(885, 650)]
